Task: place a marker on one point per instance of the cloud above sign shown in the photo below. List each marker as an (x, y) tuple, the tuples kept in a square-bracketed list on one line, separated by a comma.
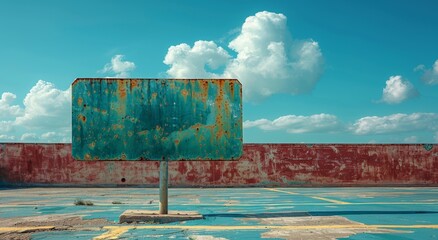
[(118, 67), (268, 60)]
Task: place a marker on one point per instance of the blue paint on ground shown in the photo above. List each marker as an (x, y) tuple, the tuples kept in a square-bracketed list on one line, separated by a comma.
[(77, 235)]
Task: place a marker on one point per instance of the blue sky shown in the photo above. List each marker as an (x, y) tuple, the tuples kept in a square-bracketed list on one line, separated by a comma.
[(312, 71)]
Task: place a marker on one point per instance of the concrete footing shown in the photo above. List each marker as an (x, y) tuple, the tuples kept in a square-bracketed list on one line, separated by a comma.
[(132, 216)]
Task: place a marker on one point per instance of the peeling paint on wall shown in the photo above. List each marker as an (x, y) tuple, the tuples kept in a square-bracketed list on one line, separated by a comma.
[(288, 165)]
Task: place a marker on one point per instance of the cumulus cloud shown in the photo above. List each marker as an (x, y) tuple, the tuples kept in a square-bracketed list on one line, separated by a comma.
[(298, 124), (398, 90), (29, 137), (46, 109), (396, 123), (430, 76), (45, 106), (191, 61), (268, 60), (8, 111), (119, 67)]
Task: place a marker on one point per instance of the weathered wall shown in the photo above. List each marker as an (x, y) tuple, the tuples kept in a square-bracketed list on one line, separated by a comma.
[(261, 165)]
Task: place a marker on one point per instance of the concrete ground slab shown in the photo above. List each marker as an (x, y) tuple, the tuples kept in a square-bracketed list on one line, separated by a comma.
[(147, 216), (229, 213)]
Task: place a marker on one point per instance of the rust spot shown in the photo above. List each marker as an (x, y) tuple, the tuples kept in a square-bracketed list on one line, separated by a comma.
[(227, 108), (154, 95), (92, 145), (204, 90), (198, 126), (171, 84), (123, 156), (184, 92), (176, 142), (117, 126), (87, 157), (82, 118), (80, 100), (121, 88), (231, 84), (133, 84), (143, 132)]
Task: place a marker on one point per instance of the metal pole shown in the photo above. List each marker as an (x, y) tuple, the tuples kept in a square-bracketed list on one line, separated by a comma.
[(163, 186)]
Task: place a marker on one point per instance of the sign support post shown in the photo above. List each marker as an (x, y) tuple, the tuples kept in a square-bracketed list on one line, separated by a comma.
[(164, 174)]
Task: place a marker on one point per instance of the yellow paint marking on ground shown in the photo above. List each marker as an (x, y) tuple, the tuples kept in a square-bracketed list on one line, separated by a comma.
[(330, 200), (25, 229), (123, 229), (276, 190), (431, 226), (113, 232)]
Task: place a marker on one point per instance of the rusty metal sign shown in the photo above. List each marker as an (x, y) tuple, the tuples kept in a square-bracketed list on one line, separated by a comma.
[(156, 119)]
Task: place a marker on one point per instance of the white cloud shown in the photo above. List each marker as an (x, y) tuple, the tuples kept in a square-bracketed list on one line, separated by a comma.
[(7, 137), (64, 136), (396, 123), (46, 109), (8, 111), (398, 90), (268, 60), (6, 126), (420, 67), (119, 67), (430, 76), (411, 139), (186, 61), (298, 124), (29, 137)]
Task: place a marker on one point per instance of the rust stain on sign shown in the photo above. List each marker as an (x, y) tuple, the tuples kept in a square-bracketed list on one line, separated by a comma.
[(152, 119)]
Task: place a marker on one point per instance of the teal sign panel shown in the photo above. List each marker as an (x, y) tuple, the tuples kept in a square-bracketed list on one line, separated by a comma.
[(156, 119)]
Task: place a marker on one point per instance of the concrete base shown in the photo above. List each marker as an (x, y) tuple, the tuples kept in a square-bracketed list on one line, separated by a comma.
[(130, 216)]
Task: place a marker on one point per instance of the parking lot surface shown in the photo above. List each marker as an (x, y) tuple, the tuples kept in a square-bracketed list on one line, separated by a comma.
[(229, 213)]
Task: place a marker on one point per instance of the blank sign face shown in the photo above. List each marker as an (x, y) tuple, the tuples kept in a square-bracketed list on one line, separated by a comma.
[(156, 119)]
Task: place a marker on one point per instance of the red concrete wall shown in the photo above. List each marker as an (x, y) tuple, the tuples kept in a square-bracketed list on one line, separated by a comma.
[(261, 165)]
